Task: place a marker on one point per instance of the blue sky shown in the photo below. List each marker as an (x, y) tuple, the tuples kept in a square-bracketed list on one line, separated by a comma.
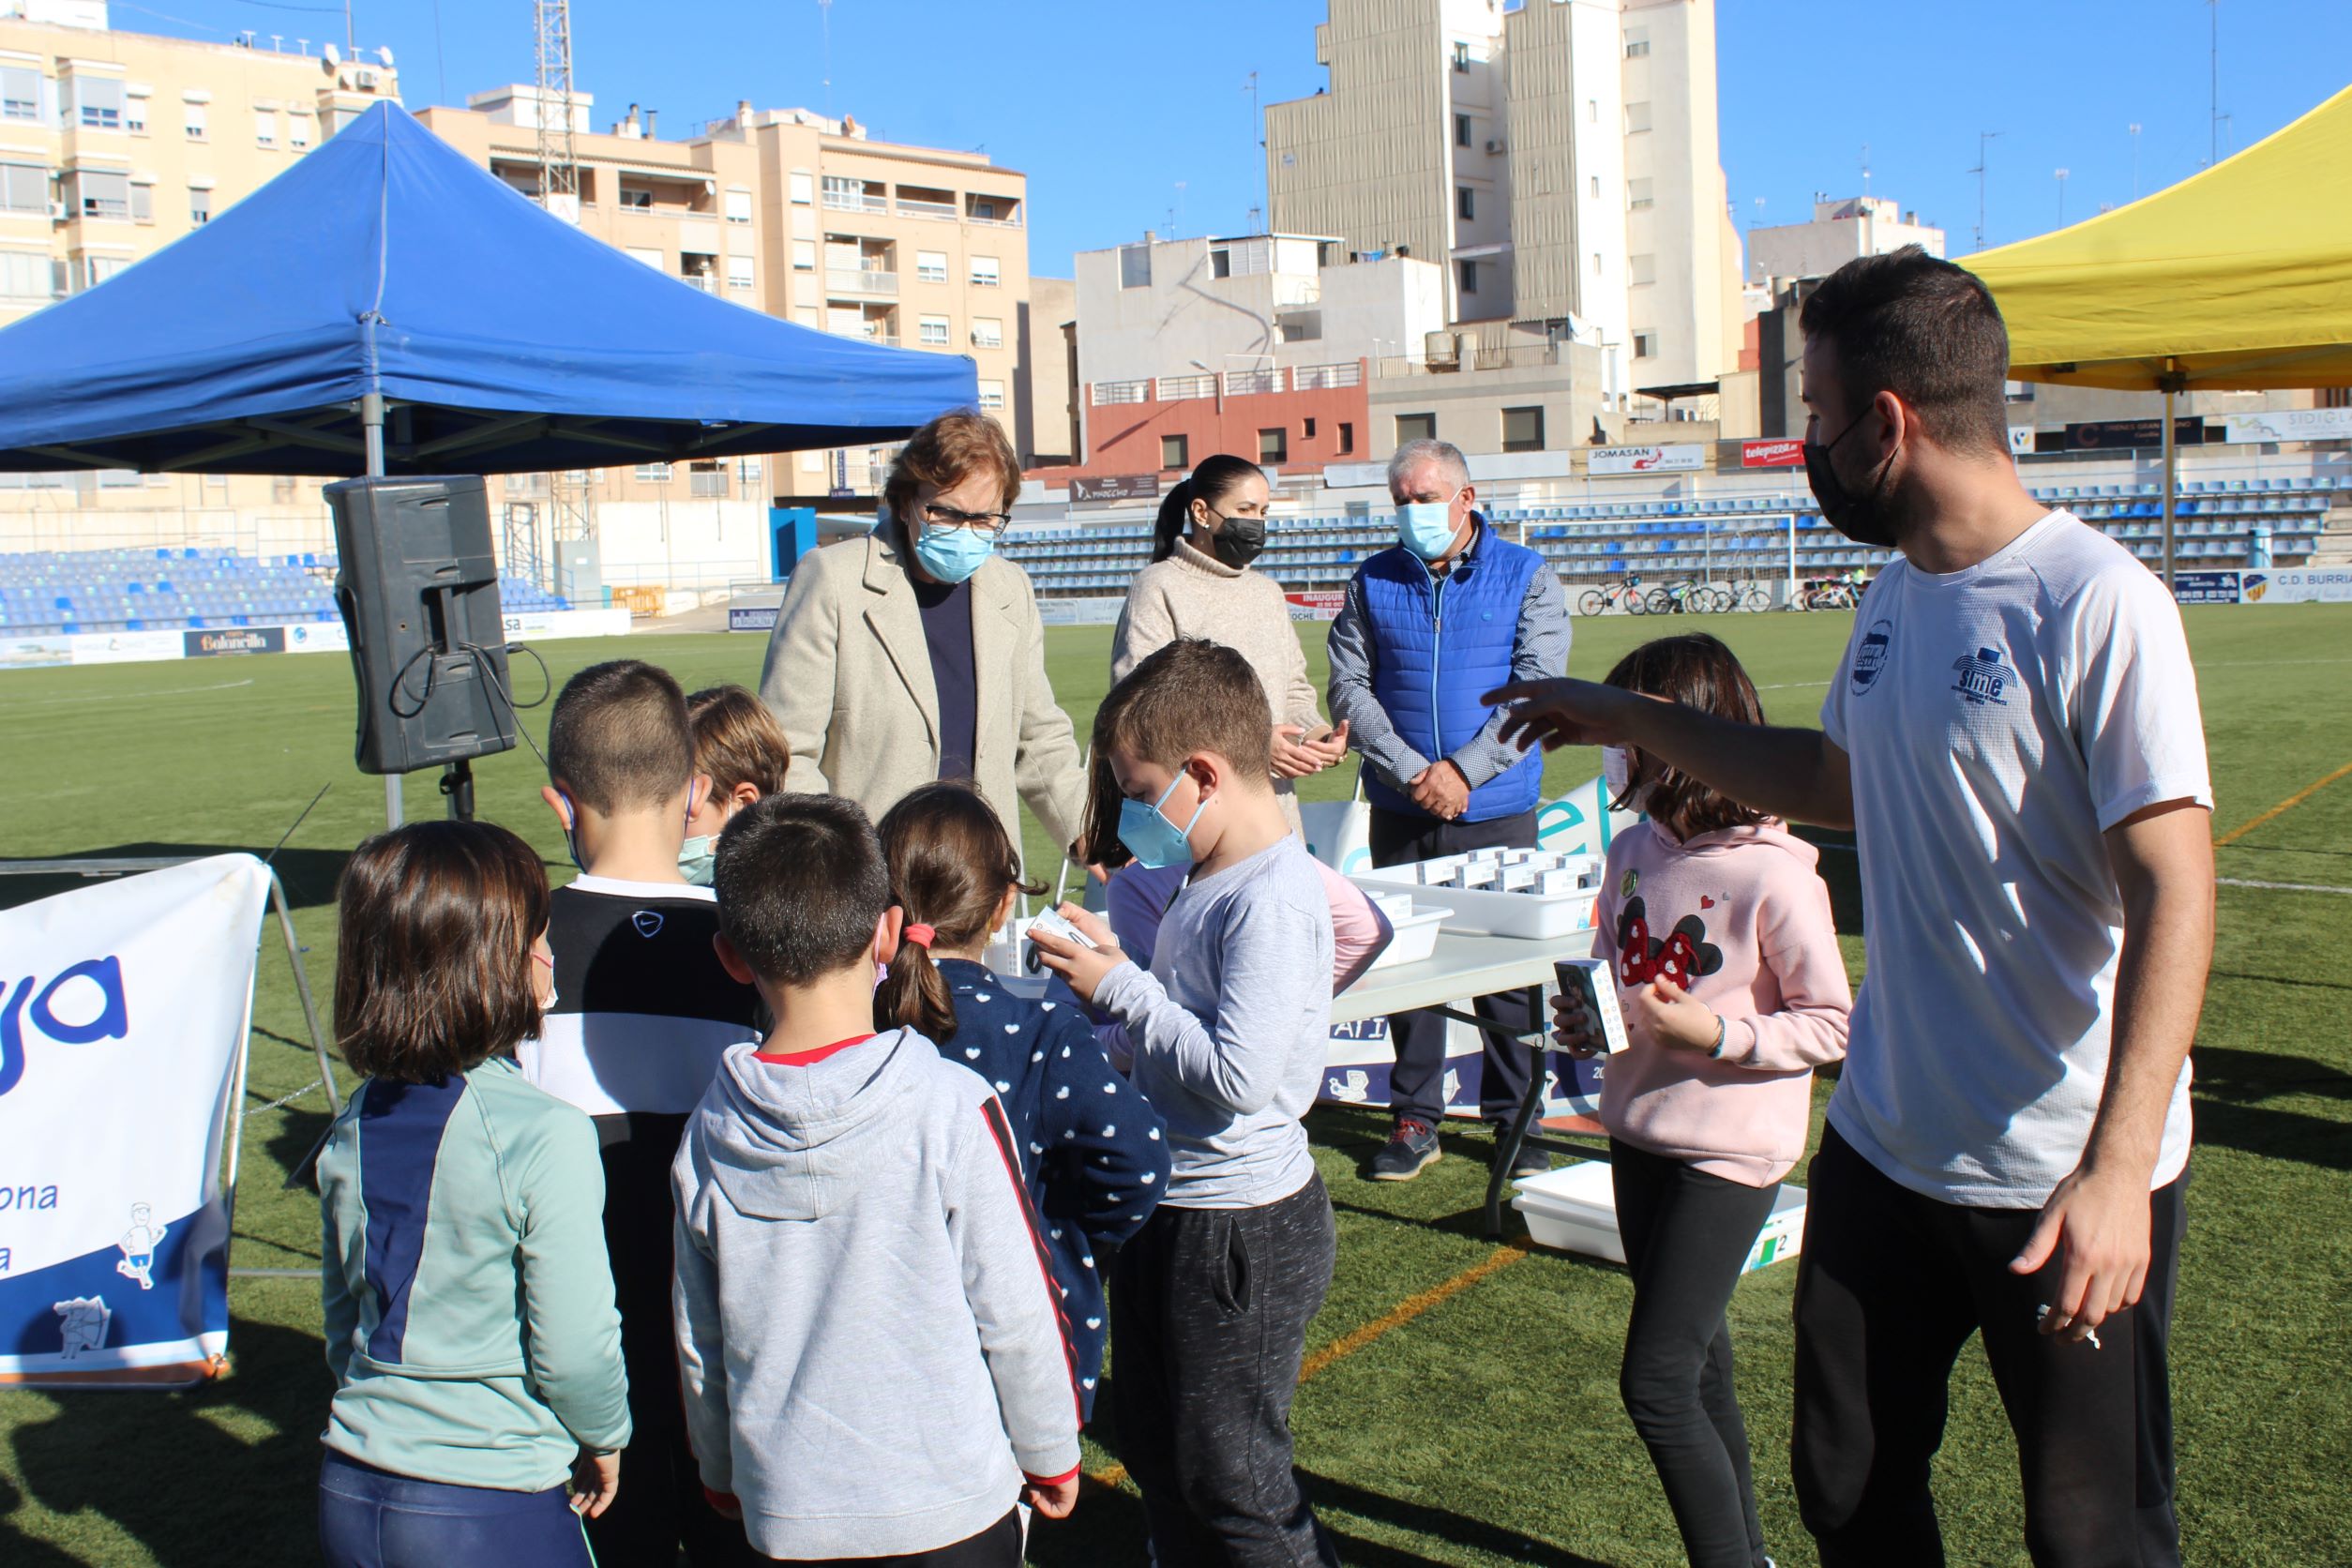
[(1109, 105)]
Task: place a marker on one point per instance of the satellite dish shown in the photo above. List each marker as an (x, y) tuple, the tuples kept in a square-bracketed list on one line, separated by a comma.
[(332, 56), (384, 55)]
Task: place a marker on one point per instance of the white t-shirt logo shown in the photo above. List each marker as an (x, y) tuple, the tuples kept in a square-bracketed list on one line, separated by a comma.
[(1982, 677), (1870, 656)]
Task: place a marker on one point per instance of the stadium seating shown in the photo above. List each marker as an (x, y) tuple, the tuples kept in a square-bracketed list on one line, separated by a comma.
[(47, 593), (1736, 537)]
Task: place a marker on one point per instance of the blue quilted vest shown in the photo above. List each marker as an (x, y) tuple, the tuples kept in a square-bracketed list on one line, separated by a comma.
[(1438, 643)]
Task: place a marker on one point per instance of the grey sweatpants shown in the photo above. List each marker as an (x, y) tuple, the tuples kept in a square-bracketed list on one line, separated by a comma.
[(1209, 1310)]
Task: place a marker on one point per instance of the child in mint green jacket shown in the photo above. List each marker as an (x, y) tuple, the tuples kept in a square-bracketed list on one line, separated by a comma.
[(469, 1310)]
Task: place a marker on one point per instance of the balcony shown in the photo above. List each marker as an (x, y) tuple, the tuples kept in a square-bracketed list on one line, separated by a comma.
[(842, 281), (909, 207), (856, 201)]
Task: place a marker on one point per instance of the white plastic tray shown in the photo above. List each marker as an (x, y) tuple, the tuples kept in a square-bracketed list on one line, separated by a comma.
[(1416, 937), (1573, 1209), (1480, 912)]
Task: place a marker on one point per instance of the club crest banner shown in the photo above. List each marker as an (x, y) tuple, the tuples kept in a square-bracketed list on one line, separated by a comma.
[(123, 1016)]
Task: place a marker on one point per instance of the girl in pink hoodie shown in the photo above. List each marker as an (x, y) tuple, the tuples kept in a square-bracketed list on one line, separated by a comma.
[(1733, 989)]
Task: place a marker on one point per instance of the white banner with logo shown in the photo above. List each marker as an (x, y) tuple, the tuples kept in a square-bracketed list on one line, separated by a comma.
[(123, 1016), (2298, 585), (1646, 459), (2289, 424)]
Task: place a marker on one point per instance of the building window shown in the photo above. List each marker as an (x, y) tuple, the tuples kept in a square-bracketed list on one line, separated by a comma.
[(984, 272), (1522, 429), (657, 259), (987, 332), (1637, 46), (100, 194), (1221, 264), (984, 211), (707, 479), (98, 269), (1347, 438), (991, 396), (1593, 112), (1636, 118), (135, 115), (739, 273), (1461, 130), (199, 204), (803, 190), (1465, 204), (739, 206), (1596, 188), (1596, 263), (1307, 429), (1135, 266), (1466, 273), (97, 102), (142, 201), (1641, 193), (1274, 446), (1641, 269), (265, 128), (804, 255), (931, 331), (298, 132), (652, 472), (930, 266), (27, 275), (1175, 451), (1461, 56), (23, 188), (1416, 427), (196, 118), (1645, 345), (639, 197), (19, 93)]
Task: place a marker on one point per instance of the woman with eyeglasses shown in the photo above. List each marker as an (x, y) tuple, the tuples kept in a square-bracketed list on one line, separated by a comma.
[(916, 653), (1200, 583)]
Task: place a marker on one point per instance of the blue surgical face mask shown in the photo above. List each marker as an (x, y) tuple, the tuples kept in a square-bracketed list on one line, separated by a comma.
[(1155, 842), (1426, 527), (952, 554), (698, 858)]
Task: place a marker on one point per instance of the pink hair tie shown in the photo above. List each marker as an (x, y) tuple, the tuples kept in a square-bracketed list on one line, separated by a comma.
[(920, 935)]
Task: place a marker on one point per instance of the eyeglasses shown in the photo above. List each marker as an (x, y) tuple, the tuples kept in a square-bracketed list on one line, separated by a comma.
[(986, 524)]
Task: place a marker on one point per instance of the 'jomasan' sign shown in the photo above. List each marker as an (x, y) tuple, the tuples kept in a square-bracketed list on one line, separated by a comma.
[(123, 1017)]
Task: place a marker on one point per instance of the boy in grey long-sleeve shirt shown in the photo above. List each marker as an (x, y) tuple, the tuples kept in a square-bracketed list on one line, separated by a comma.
[(874, 1363), (1228, 1031)]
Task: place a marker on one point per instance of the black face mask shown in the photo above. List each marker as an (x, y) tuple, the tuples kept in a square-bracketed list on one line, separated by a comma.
[(1237, 540), (1860, 518)]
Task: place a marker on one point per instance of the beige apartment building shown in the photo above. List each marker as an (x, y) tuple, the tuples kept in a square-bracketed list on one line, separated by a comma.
[(114, 144)]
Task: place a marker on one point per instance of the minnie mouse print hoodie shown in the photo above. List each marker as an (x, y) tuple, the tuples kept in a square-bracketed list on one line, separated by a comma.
[(1740, 919)]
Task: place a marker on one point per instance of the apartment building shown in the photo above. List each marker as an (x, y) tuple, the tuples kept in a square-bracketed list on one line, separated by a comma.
[(1838, 232), (1560, 159), (112, 145)]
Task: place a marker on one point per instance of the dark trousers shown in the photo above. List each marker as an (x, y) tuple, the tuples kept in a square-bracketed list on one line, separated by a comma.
[(997, 1546), (1888, 1287), (372, 1518), (1686, 1234), (660, 1507), (1209, 1312), (1416, 1085)]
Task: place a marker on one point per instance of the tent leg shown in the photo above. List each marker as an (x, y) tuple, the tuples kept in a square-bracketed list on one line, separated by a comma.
[(2172, 464), (302, 986), (372, 428)]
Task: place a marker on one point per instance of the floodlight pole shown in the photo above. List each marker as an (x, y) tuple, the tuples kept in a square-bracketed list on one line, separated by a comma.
[(2172, 382), (371, 429)]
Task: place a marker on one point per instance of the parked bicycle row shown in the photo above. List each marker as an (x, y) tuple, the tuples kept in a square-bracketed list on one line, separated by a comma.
[(1690, 595)]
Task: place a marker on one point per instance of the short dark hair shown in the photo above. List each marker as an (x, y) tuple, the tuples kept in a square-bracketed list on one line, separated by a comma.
[(801, 883), (1190, 695), (433, 956), (620, 739), (1697, 671), (1923, 329)]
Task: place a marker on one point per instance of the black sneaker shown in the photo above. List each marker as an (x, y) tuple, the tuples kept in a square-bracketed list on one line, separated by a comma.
[(1530, 1161), (1412, 1149)]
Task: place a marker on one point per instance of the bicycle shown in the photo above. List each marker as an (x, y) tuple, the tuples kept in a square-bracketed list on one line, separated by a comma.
[(1836, 592), (1697, 598), (1627, 590), (1751, 598)]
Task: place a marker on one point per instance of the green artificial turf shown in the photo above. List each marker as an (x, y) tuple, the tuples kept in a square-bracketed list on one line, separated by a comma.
[(1484, 1431)]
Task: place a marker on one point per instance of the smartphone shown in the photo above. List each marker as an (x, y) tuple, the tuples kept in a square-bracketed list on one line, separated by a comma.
[(1055, 924)]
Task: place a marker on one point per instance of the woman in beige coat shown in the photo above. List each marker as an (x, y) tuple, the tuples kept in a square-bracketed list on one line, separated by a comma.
[(916, 653), (1211, 527)]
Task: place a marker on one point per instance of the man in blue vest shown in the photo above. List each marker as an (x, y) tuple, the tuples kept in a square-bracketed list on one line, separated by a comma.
[(1449, 613)]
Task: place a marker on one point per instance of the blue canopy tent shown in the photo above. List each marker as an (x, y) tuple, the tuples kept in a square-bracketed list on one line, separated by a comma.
[(386, 276)]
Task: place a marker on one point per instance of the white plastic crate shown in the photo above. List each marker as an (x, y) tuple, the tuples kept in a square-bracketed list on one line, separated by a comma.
[(1415, 927), (1573, 1209), (1487, 912)]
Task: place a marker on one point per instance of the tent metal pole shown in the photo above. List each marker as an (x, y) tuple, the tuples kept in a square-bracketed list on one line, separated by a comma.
[(371, 426), (2172, 461)]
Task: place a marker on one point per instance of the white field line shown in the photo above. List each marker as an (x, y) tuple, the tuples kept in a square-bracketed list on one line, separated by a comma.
[(118, 696)]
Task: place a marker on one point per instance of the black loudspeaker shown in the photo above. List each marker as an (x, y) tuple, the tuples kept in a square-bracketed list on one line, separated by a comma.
[(418, 590)]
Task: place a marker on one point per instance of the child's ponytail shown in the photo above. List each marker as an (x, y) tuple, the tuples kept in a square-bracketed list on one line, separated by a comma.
[(950, 866), (914, 994)]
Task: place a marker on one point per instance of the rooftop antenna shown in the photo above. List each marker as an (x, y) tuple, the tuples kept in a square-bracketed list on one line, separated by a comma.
[(351, 40), (1258, 135), (824, 24), (1983, 142), (559, 167)]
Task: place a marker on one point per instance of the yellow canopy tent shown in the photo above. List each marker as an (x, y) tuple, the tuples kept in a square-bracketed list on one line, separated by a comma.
[(2238, 278)]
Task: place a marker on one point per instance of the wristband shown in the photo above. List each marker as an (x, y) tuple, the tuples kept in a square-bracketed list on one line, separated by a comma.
[(1722, 1030)]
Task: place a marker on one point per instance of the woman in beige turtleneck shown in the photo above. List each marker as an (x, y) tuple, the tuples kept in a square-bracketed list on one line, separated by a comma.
[(1200, 584)]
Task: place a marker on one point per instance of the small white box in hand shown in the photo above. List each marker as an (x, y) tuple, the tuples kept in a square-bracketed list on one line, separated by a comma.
[(1054, 924), (1591, 979)]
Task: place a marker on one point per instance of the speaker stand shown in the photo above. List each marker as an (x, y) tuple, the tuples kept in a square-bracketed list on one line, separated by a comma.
[(457, 783)]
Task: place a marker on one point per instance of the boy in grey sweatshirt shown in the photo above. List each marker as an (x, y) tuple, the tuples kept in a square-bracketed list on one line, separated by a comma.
[(874, 1365)]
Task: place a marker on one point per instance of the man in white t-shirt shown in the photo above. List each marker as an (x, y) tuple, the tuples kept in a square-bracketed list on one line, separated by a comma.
[(2013, 735)]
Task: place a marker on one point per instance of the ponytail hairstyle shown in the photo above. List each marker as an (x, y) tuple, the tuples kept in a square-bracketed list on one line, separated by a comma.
[(1696, 671), (950, 863), (1213, 481)]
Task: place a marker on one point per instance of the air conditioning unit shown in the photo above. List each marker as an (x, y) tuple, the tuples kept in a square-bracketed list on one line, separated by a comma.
[(1494, 147), (57, 212), (365, 80), (1438, 348)]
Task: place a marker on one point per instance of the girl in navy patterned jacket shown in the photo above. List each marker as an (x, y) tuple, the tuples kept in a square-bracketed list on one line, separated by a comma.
[(1096, 1160)]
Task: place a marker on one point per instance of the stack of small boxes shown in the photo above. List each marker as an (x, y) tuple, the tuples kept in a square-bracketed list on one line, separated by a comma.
[(1538, 872)]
